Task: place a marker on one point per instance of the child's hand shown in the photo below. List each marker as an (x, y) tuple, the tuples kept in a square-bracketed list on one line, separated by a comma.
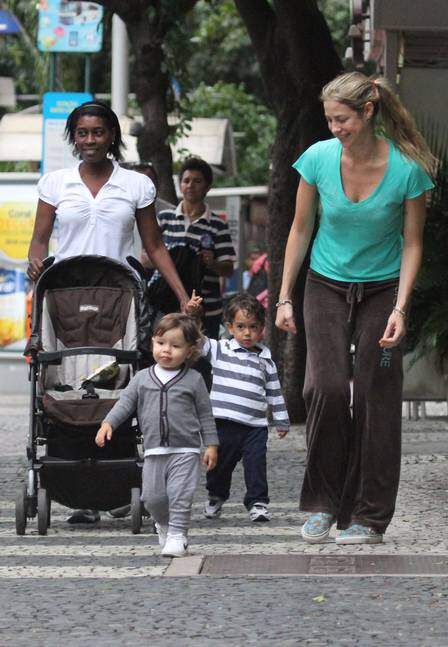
[(104, 433), (281, 432), (210, 457), (194, 307)]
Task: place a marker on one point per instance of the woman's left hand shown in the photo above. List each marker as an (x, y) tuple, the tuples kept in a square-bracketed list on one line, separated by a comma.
[(395, 331)]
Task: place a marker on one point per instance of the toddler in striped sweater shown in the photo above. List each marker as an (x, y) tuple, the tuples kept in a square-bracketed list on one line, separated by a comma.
[(245, 386)]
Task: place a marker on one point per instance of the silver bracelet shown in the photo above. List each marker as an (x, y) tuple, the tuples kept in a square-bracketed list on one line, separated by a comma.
[(283, 302), (400, 311)]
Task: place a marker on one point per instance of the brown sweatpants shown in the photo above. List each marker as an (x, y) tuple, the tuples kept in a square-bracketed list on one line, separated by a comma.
[(353, 463)]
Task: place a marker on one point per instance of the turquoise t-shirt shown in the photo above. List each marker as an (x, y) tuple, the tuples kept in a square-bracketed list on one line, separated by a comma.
[(359, 241)]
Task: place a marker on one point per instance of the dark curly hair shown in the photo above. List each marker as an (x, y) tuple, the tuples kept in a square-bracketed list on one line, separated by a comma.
[(248, 304), (95, 109), (197, 164)]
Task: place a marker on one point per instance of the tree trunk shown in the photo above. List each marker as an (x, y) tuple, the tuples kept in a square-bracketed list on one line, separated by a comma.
[(151, 91), (147, 23), (297, 57)]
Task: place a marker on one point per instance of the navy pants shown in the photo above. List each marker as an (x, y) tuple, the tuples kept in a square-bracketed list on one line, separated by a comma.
[(236, 442)]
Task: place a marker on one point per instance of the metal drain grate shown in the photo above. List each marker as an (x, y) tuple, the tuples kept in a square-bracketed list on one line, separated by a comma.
[(326, 565)]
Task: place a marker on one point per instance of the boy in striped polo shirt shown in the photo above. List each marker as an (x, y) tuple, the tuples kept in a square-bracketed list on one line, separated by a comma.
[(245, 385), (192, 224)]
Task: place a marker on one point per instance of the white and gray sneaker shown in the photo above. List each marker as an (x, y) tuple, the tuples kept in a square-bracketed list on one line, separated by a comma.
[(259, 512), (212, 508), (176, 545), (162, 532)]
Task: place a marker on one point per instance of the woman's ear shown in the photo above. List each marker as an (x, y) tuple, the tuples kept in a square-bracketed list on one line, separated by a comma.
[(369, 110)]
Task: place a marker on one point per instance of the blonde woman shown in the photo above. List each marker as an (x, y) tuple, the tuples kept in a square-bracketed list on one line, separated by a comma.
[(364, 261)]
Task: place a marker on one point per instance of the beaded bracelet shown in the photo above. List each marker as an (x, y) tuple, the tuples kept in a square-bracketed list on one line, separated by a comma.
[(400, 311), (283, 302)]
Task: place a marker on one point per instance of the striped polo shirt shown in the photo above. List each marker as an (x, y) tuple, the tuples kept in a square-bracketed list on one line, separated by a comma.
[(245, 384), (178, 230)]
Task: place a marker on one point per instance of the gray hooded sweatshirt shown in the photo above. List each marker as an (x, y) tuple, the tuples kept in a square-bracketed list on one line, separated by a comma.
[(175, 414)]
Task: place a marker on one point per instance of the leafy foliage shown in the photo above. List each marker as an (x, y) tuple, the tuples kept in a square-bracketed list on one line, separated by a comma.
[(428, 322), (337, 15), (222, 50), (19, 56), (252, 122)]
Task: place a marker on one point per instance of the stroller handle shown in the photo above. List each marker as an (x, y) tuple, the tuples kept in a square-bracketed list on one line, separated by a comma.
[(55, 357)]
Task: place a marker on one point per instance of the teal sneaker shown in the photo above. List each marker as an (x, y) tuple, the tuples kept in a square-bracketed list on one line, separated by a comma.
[(317, 528), (357, 534)]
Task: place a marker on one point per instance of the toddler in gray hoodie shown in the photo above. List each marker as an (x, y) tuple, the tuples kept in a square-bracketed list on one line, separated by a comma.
[(174, 412)]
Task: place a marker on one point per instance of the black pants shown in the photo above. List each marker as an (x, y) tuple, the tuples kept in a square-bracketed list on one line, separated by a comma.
[(211, 326), (238, 441), (353, 463)]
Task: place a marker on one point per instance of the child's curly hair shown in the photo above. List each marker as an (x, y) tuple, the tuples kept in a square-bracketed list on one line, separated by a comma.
[(248, 304), (190, 329)]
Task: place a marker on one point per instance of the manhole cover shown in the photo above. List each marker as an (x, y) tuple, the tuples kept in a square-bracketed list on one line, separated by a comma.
[(326, 565)]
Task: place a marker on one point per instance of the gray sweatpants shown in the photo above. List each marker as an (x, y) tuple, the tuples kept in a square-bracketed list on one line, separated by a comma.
[(169, 484)]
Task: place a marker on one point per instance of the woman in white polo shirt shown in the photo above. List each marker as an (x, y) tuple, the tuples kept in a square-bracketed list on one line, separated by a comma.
[(95, 206), (97, 203)]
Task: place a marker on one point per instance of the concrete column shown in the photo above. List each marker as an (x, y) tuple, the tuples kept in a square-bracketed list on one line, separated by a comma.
[(391, 58), (120, 67)]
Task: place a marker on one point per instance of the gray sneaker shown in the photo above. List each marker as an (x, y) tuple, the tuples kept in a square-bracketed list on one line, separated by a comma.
[(317, 528), (120, 513), (259, 513), (357, 534), (84, 516), (212, 508)]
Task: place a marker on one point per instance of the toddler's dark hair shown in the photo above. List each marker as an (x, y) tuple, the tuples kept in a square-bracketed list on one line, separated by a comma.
[(248, 304), (190, 330)]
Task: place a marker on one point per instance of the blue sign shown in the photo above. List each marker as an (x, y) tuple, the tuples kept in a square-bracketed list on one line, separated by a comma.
[(66, 26), (56, 152), (8, 23)]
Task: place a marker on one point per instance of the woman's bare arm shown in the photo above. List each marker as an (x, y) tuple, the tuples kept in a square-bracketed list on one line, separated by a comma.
[(154, 246), (414, 222), (296, 248), (43, 227)]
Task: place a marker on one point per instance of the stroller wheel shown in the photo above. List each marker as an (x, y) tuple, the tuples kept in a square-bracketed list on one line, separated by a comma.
[(21, 510), (43, 511), (136, 511)]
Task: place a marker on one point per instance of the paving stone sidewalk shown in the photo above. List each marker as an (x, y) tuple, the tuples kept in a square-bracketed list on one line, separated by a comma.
[(416, 528), (101, 585)]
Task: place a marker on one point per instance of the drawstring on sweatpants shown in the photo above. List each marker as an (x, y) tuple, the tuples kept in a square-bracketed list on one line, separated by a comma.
[(355, 294)]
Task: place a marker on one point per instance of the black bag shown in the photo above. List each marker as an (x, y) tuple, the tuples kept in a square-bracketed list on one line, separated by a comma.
[(190, 268)]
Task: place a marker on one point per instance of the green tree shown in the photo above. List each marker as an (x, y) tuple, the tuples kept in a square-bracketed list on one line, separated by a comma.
[(19, 56), (297, 57), (152, 26), (221, 48), (253, 125)]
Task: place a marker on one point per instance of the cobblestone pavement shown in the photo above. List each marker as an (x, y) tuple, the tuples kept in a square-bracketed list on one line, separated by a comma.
[(101, 584)]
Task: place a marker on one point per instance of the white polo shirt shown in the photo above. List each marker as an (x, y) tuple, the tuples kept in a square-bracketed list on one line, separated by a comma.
[(102, 225)]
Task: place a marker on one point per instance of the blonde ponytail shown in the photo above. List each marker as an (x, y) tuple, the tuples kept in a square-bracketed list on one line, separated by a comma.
[(355, 89)]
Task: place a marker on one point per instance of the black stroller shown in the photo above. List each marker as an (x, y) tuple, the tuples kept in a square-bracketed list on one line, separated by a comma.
[(90, 328)]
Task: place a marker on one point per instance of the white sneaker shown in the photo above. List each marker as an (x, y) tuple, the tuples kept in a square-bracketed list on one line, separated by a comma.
[(162, 532), (212, 508), (175, 546), (259, 512)]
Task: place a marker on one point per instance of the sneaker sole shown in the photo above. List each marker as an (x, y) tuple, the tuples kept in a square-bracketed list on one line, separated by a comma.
[(212, 516), (315, 539), (260, 519), (173, 554), (342, 541)]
